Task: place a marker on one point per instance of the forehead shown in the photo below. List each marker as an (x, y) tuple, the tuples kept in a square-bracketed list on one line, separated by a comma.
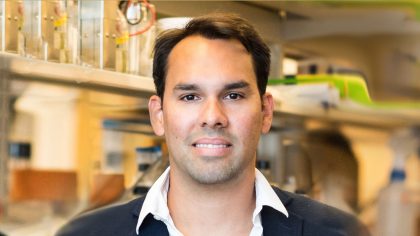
[(199, 57), (196, 43)]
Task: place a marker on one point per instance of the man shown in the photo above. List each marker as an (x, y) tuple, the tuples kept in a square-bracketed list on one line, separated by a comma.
[(211, 105)]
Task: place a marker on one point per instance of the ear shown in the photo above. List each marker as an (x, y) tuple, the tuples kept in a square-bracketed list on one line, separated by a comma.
[(156, 115), (267, 110)]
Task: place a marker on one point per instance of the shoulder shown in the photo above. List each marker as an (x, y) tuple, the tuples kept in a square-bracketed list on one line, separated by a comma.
[(113, 220), (320, 217), (310, 209)]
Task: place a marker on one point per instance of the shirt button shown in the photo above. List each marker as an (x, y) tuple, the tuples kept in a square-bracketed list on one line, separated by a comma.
[(157, 217)]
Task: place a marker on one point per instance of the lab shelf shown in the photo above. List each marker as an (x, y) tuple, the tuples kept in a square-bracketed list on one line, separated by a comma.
[(19, 67), (340, 98), (348, 114)]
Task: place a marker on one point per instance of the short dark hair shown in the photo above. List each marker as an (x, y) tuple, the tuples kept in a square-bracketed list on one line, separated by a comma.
[(213, 26)]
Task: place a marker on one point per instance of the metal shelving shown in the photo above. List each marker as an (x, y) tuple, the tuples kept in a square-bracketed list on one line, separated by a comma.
[(349, 114), (344, 112), (19, 67)]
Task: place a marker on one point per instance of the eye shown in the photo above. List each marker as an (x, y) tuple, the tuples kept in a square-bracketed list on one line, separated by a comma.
[(189, 97), (234, 96)]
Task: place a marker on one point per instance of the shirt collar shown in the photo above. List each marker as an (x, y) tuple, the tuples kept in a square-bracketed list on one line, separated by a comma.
[(265, 195), (156, 202)]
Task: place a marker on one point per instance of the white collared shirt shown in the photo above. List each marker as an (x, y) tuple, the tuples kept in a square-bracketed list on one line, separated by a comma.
[(156, 203)]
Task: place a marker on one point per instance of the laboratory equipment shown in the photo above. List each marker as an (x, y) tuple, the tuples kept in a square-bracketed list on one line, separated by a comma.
[(398, 207), (59, 30), (104, 35), (19, 155), (13, 25)]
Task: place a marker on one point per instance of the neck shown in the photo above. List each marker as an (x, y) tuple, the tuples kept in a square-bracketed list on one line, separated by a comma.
[(199, 209)]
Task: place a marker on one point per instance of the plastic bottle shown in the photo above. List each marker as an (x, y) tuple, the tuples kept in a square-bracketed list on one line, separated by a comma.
[(396, 211), (398, 208)]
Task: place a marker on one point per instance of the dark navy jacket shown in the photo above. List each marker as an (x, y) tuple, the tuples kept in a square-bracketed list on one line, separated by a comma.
[(306, 218)]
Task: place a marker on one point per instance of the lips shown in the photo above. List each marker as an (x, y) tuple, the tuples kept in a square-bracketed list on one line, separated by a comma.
[(212, 143), (207, 145), (212, 147)]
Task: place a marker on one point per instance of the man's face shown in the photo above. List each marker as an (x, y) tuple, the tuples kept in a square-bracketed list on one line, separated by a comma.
[(212, 114)]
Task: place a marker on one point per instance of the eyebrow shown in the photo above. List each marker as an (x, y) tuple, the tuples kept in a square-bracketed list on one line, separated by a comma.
[(186, 87), (194, 87), (237, 85)]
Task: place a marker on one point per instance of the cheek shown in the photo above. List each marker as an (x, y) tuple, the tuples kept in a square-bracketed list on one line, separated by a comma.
[(177, 122), (248, 125)]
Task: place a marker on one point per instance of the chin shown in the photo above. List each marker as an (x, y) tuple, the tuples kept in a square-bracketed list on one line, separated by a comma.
[(217, 176)]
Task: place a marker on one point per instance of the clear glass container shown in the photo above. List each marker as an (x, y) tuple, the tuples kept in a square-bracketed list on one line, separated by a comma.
[(59, 30)]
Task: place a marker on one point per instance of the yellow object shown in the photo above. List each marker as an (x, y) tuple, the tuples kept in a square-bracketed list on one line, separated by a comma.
[(122, 39), (61, 21)]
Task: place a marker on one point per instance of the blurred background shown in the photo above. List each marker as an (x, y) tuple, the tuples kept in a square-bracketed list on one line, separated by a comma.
[(75, 77)]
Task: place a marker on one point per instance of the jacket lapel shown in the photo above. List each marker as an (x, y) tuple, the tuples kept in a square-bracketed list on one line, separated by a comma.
[(276, 223), (150, 226)]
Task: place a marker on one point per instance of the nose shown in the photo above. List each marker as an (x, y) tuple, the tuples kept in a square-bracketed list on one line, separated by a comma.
[(213, 115)]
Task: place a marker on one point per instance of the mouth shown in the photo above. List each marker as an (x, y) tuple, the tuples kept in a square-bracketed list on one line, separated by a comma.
[(212, 143), (212, 147), (209, 145)]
